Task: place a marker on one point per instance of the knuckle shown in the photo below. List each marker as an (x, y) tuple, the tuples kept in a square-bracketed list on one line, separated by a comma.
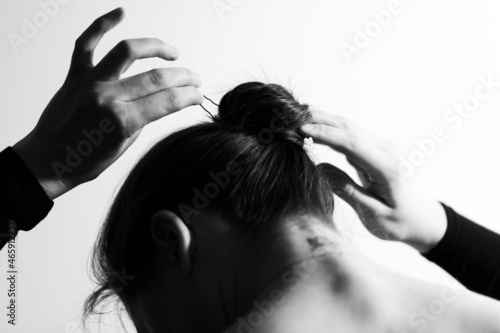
[(99, 24), (99, 97), (173, 99), (352, 142), (326, 133), (125, 120), (126, 48), (106, 105), (157, 78), (94, 95), (102, 101), (390, 147), (344, 122), (114, 105)]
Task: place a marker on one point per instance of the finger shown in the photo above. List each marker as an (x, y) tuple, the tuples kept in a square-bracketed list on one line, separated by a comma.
[(88, 40), (123, 55), (368, 157), (364, 203), (155, 80), (336, 177), (148, 109), (320, 117), (363, 175), (324, 118)]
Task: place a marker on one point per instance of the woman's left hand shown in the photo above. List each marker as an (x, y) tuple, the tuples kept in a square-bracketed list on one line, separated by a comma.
[(390, 208)]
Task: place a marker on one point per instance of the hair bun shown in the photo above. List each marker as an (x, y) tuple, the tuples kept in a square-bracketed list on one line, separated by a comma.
[(256, 107)]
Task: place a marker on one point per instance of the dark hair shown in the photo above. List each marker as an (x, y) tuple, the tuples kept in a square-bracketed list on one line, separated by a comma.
[(251, 159)]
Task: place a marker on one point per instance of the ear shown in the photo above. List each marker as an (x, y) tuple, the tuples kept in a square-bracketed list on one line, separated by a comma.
[(173, 239)]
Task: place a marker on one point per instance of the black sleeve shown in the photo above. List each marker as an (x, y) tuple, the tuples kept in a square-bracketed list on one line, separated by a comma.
[(23, 202), (470, 253)]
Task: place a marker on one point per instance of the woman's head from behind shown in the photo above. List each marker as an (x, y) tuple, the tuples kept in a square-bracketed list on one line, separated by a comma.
[(197, 227)]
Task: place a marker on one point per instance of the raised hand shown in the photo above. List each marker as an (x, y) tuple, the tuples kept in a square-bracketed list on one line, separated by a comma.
[(390, 208), (96, 116)]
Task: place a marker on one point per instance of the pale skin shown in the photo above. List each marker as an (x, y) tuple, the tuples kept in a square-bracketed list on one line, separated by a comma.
[(390, 208), (371, 298), (92, 93), (205, 275), (220, 268)]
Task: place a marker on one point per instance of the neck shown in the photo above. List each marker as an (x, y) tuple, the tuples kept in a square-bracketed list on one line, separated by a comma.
[(311, 280), (301, 245), (332, 286)]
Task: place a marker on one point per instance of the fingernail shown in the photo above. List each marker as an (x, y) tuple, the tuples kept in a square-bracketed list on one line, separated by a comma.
[(349, 189), (307, 127)]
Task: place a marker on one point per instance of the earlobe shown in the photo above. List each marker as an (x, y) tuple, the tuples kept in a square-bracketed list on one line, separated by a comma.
[(173, 239)]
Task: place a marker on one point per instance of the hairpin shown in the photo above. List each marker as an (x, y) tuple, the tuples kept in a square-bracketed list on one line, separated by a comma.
[(310, 150), (211, 115), (211, 101)]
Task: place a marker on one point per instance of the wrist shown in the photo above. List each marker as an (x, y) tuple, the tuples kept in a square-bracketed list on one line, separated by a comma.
[(33, 158), (432, 225), (26, 202)]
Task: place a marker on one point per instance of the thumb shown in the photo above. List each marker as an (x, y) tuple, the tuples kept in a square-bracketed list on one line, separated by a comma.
[(364, 203), (87, 42)]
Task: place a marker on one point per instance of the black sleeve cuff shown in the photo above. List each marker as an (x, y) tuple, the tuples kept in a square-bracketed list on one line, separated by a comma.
[(470, 253), (22, 197)]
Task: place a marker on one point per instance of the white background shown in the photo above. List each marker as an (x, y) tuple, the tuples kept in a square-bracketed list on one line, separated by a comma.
[(399, 86)]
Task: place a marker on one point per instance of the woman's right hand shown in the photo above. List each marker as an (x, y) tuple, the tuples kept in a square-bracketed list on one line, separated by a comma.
[(96, 115), (389, 208)]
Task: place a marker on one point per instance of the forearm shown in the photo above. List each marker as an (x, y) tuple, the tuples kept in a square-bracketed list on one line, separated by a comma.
[(471, 253), (427, 225)]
